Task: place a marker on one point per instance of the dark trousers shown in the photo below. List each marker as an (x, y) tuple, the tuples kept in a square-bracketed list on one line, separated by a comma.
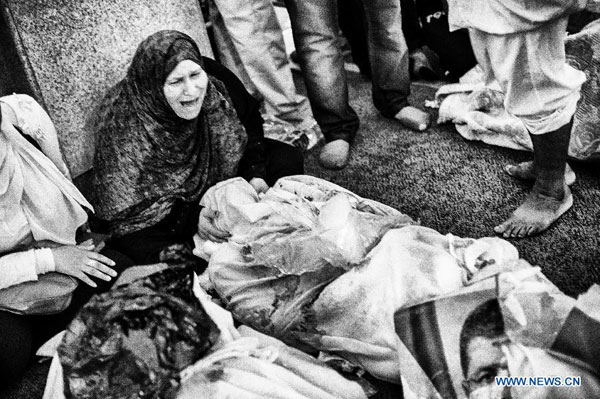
[(145, 246), (21, 335)]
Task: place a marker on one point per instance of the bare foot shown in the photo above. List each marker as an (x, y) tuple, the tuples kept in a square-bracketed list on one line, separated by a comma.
[(535, 215), (335, 154), (413, 118), (525, 171)]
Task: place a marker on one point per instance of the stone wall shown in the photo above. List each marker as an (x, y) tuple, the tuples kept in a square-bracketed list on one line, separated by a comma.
[(66, 53)]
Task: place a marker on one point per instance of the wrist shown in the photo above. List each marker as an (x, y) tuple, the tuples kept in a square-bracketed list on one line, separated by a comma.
[(44, 261)]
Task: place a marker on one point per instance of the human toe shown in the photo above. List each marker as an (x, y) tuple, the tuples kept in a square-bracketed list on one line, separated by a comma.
[(511, 231), (522, 231), (500, 228), (514, 170), (523, 171)]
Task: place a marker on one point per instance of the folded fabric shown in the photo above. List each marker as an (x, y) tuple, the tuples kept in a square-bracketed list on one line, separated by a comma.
[(251, 367), (479, 114)]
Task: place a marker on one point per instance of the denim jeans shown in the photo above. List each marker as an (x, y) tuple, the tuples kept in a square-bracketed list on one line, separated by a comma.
[(315, 27)]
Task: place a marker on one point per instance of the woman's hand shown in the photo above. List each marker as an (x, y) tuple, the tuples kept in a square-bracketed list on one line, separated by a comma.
[(90, 245), (207, 229), (259, 185), (80, 262)]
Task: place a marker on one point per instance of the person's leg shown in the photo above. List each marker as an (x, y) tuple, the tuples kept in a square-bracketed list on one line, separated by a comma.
[(226, 52), (411, 27), (390, 64), (256, 36), (478, 40), (315, 28), (424, 63), (550, 196), (354, 27), (526, 171), (15, 347), (282, 160), (542, 90)]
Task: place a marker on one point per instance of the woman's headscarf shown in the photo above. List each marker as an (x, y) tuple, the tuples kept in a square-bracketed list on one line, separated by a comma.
[(146, 156)]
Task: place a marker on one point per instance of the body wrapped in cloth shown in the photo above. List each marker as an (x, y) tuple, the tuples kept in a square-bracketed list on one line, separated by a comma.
[(355, 263)]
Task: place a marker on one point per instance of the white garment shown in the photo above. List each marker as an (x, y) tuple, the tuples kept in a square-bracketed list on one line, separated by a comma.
[(39, 206), (502, 17), (24, 266), (293, 261), (33, 120), (541, 88)]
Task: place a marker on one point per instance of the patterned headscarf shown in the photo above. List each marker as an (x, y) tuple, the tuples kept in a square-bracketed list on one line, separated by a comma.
[(146, 156)]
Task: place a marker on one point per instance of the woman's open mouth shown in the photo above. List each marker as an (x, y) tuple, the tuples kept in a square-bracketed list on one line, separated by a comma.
[(190, 103)]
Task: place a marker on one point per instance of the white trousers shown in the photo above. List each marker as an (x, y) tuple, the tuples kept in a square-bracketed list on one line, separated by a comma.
[(540, 87)]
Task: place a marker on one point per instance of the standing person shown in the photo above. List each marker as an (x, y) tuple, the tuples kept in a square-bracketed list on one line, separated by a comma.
[(250, 43), (520, 44), (315, 27), (174, 126)]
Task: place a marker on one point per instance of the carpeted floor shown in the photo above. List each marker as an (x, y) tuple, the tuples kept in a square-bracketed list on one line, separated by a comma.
[(453, 186), (457, 186)]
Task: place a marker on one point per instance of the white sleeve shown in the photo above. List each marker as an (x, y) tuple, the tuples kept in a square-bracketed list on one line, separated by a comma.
[(20, 267)]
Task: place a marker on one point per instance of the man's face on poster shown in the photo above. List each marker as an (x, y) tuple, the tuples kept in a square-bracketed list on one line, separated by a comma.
[(487, 361)]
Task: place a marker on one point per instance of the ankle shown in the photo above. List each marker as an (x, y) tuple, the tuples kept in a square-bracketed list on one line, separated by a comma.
[(554, 188)]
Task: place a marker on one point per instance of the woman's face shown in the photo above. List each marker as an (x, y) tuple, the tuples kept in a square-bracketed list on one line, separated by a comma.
[(185, 88)]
